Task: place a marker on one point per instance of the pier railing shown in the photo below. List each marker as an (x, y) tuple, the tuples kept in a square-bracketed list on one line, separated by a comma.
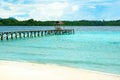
[(36, 33)]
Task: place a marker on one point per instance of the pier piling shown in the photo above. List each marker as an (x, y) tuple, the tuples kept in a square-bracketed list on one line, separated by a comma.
[(38, 33)]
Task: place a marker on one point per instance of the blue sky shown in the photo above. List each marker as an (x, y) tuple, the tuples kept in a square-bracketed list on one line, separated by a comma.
[(60, 9)]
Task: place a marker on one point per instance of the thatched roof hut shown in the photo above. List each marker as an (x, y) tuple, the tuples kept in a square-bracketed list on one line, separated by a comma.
[(58, 25)]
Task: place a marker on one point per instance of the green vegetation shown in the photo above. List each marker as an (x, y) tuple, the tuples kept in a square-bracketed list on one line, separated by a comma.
[(31, 22)]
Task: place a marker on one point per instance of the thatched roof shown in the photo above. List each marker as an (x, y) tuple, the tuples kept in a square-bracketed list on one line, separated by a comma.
[(59, 22)]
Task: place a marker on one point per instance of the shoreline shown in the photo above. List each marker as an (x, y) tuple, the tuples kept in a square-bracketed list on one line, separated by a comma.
[(13, 70)]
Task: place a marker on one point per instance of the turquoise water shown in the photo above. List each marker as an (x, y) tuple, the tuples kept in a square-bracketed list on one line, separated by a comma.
[(89, 49)]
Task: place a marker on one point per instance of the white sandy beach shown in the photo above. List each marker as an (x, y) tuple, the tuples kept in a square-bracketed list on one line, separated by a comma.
[(11, 70)]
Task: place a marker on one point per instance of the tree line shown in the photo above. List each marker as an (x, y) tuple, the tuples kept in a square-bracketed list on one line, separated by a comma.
[(32, 22)]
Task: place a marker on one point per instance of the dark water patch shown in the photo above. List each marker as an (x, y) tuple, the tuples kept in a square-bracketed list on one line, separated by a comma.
[(118, 43), (77, 62)]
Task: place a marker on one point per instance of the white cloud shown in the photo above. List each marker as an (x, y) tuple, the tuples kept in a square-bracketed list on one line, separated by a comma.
[(36, 11), (92, 7), (48, 11), (75, 8), (58, 9)]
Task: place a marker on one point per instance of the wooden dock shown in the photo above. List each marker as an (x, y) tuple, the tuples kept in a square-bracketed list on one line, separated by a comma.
[(36, 33)]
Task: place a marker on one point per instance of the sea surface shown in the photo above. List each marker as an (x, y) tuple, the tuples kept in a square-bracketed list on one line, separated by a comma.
[(94, 48)]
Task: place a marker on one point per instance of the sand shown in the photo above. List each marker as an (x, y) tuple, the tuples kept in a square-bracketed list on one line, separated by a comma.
[(11, 70)]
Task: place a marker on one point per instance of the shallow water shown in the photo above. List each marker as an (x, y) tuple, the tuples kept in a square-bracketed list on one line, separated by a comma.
[(89, 48)]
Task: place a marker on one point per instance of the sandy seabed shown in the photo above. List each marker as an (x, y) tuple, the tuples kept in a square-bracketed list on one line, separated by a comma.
[(11, 70)]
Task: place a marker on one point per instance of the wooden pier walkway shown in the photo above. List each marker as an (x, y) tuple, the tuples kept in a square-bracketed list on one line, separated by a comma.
[(37, 33)]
